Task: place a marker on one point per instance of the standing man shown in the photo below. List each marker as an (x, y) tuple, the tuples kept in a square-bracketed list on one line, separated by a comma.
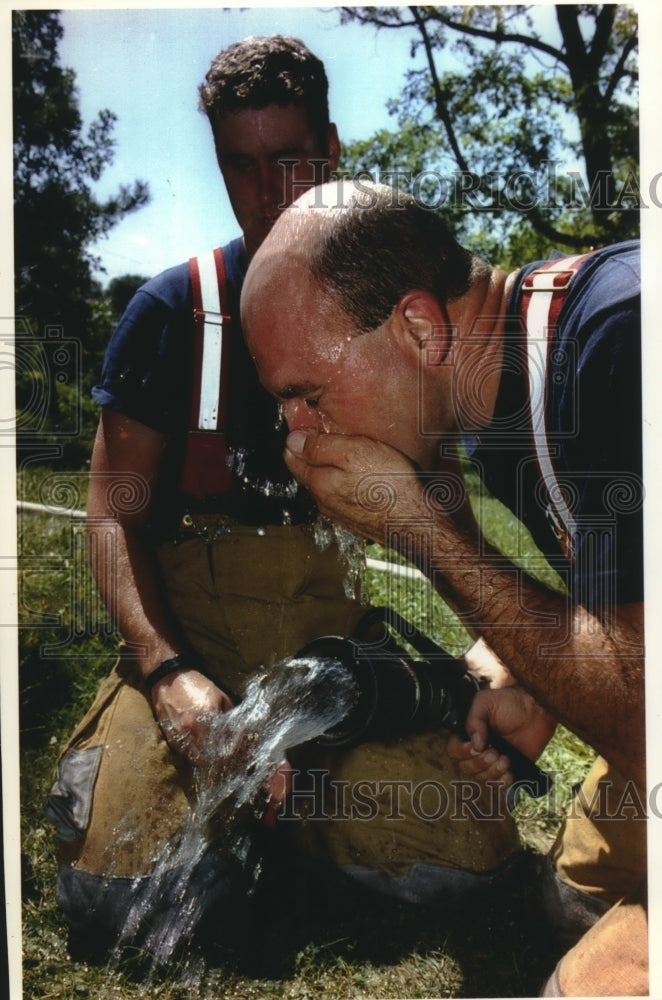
[(386, 344), (204, 549)]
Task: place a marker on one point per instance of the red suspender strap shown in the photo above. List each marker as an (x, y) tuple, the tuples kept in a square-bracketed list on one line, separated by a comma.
[(543, 294), (206, 472)]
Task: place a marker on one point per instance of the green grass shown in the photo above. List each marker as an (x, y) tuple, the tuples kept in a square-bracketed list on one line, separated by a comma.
[(304, 934)]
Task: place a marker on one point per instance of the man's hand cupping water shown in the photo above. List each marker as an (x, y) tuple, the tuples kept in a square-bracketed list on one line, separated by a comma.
[(357, 483)]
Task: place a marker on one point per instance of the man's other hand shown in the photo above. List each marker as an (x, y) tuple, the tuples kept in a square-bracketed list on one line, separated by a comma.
[(186, 704), (516, 717)]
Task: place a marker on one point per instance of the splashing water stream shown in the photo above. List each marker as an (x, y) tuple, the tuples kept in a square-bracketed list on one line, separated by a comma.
[(351, 548), (297, 701)]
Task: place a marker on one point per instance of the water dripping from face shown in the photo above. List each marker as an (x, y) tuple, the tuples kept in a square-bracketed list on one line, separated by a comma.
[(280, 418)]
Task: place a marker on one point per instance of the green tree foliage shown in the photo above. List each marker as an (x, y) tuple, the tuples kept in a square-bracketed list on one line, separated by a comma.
[(521, 125), (62, 325), (121, 290)]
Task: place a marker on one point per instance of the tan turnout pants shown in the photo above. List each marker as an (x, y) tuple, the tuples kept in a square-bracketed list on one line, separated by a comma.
[(601, 851)]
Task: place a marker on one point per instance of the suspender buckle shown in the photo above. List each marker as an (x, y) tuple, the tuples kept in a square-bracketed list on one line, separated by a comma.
[(548, 280), (208, 316)]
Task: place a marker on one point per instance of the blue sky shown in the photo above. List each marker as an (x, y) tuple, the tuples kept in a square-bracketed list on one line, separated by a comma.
[(146, 65)]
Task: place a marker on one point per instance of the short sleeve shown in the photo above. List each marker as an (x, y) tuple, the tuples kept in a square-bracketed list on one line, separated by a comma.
[(146, 369)]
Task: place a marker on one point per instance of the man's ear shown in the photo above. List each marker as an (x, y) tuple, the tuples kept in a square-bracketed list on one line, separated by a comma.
[(421, 323)]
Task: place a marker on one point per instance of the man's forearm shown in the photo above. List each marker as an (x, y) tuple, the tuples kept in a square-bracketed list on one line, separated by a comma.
[(129, 581)]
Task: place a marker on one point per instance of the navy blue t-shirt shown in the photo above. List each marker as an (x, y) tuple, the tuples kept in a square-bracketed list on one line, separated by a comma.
[(147, 375), (593, 420)]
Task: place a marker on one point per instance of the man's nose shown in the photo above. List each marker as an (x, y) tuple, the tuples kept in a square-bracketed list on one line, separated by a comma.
[(271, 184)]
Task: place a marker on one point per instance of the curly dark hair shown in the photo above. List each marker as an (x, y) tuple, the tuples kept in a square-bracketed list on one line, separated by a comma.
[(258, 71), (382, 244)]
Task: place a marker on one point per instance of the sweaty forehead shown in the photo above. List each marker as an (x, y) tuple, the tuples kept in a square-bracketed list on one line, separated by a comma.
[(293, 334)]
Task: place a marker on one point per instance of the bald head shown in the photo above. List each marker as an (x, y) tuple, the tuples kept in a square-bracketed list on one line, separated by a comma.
[(363, 247)]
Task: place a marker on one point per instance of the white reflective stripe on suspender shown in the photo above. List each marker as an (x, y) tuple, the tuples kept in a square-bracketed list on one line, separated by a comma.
[(537, 332), (210, 379)]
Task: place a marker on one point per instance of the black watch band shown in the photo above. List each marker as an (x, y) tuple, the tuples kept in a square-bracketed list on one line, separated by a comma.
[(182, 661)]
